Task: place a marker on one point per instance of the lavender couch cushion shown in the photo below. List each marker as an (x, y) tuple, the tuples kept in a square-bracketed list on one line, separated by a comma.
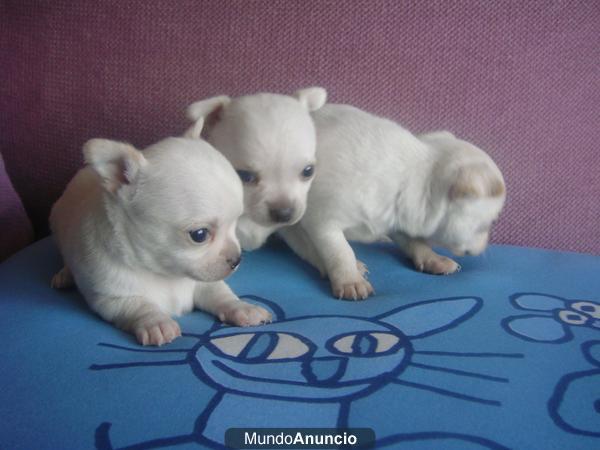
[(15, 228), (520, 79)]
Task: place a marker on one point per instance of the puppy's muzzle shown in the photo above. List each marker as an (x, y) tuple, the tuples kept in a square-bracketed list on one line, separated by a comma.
[(234, 262), (281, 215)]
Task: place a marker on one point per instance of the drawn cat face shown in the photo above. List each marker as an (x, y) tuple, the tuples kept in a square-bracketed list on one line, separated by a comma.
[(322, 358), (332, 359), (295, 359)]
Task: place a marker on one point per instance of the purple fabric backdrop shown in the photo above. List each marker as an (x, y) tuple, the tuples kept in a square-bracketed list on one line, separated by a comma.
[(520, 79), (15, 227)]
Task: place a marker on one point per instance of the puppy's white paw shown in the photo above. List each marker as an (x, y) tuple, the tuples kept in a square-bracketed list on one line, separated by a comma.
[(436, 264), (358, 289), (158, 331), (63, 279), (244, 314), (362, 268)]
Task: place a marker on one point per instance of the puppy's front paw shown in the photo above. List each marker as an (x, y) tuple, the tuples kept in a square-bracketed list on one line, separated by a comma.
[(159, 331), (362, 268), (352, 290), (244, 314), (436, 264)]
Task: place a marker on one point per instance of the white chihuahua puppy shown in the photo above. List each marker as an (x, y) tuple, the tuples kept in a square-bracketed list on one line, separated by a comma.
[(270, 141), (147, 235), (376, 180)]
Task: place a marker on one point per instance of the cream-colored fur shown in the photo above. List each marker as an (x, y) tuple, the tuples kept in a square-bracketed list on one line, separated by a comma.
[(270, 140), (124, 226), (375, 180)]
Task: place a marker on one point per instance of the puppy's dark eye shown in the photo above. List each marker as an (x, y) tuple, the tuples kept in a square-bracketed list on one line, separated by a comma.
[(308, 171), (248, 176), (200, 235)]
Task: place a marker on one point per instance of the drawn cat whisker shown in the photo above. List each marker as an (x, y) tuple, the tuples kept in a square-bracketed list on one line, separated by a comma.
[(145, 350), (464, 373), (447, 393), (176, 362), (469, 354)]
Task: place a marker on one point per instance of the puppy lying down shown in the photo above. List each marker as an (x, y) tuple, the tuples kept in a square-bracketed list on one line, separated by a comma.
[(149, 235), (375, 180), (270, 140)]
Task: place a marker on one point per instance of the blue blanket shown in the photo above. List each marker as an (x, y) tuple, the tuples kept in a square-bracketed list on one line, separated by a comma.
[(504, 354)]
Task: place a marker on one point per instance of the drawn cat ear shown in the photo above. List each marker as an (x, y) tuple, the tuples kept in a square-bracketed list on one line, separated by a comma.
[(433, 316), (272, 307), (536, 328)]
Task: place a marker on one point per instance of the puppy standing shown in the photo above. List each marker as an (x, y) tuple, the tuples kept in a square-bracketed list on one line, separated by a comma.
[(148, 235), (376, 179), (270, 140)]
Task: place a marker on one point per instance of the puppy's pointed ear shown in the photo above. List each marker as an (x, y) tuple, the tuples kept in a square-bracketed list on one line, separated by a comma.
[(117, 163), (205, 111), (476, 181), (195, 130), (312, 98)]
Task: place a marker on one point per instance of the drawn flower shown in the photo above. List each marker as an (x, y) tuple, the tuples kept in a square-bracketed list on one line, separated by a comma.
[(552, 318)]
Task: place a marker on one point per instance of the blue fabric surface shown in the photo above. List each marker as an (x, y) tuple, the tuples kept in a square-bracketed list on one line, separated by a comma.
[(504, 354)]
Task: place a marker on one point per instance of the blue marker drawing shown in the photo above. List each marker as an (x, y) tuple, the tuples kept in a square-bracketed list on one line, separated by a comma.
[(575, 404), (550, 319), (286, 368)]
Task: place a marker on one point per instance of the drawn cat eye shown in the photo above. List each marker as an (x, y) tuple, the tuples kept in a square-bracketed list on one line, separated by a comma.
[(589, 308), (288, 347), (365, 344), (572, 317), (261, 346)]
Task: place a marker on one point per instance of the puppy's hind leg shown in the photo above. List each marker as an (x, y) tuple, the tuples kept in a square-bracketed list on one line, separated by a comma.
[(63, 279), (423, 257)]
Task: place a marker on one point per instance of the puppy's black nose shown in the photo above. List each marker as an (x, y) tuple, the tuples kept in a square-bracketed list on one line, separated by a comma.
[(234, 263), (281, 214)]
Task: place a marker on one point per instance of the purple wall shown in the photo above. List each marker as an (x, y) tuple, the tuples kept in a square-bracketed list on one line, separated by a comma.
[(519, 79), (15, 228)]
